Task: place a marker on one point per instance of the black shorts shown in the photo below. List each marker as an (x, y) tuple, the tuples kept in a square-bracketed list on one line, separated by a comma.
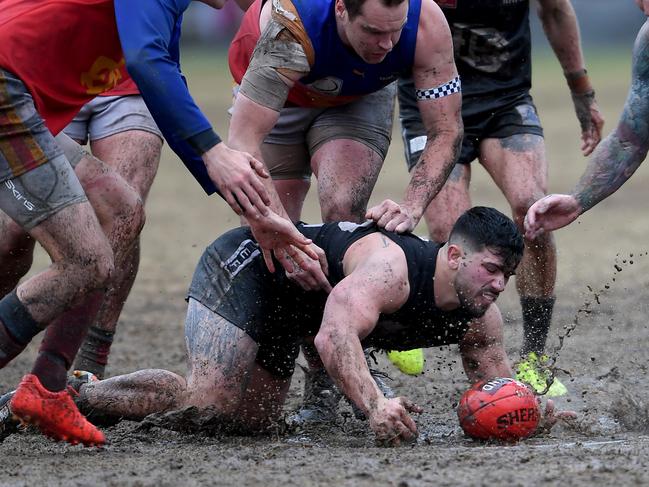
[(489, 117), (231, 279)]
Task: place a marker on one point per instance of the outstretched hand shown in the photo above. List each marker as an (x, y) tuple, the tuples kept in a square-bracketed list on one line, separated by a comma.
[(237, 174), (551, 417), (391, 421), (278, 236), (551, 213), (393, 217)]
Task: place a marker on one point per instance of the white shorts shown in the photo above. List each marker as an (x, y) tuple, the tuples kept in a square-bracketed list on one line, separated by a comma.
[(109, 115)]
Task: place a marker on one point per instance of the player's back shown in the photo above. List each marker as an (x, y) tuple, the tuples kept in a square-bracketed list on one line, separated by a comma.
[(65, 52)]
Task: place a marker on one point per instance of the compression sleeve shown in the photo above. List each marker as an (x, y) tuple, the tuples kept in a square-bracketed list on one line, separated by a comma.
[(149, 31)]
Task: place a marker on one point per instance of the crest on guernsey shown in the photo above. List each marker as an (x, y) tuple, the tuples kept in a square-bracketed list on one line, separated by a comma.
[(103, 75)]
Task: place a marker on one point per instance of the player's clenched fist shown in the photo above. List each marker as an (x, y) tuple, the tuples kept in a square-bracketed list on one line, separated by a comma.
[(391, 422)]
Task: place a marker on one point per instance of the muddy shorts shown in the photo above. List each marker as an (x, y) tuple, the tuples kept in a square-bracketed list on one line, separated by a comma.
[(367, 120), (231, 280), (36, 178), (489, 118), (109, 115)]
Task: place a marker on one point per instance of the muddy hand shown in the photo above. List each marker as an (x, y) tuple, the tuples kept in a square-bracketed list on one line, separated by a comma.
[(551, 417), (551, 213), (590, 119), (310, 274), (393, 217), (237, 174), (277, 234), (391, 421)]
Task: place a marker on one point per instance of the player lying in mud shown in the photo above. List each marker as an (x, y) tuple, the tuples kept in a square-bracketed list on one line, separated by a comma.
[(244, 325)]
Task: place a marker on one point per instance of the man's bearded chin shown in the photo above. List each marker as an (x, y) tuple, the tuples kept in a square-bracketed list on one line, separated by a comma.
[(468, 304)]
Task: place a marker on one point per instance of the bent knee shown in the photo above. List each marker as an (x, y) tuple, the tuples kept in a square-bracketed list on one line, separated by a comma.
[(95, 264), (101, 268), (132, 211), (116, 203)]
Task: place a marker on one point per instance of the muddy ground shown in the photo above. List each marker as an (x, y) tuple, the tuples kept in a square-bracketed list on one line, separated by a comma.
[(604, 360)]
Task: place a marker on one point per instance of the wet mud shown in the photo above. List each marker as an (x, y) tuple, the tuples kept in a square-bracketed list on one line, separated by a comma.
[(601, 313), (600, 331)]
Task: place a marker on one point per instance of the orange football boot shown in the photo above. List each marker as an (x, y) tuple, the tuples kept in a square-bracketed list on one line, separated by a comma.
[(54, 413)]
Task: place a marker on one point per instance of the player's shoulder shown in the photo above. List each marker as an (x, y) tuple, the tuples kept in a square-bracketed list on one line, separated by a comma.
[(433, 33), (431, 16)]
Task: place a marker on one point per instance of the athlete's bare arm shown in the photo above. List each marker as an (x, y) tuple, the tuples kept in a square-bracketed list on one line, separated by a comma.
[(614, 160), (561, 28), (433, 67), (376, 282), (482, 348), (251, 122)]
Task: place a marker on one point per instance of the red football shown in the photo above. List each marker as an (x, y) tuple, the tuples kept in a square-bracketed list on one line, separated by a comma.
[(499, 409)]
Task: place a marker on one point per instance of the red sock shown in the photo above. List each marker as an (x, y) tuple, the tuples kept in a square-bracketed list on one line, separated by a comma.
[(62, 340)]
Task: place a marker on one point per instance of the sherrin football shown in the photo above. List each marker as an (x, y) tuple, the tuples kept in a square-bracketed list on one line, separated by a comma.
[(499, 409)]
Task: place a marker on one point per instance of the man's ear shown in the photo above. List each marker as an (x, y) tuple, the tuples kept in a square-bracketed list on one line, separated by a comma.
[(340, 9), (454, 256)]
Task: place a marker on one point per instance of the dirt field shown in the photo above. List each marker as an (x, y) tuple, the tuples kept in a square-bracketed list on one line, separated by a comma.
[(605, 358)]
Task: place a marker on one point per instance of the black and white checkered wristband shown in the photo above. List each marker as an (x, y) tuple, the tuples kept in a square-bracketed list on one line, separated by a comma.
[(453, 86)]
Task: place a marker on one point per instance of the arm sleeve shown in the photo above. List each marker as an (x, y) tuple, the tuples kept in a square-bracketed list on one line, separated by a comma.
[(149, 31)]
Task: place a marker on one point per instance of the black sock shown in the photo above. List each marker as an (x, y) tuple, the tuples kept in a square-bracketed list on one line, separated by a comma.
[(17, 328), (537, 318), (52, 370), (93, 355), (17, 320)]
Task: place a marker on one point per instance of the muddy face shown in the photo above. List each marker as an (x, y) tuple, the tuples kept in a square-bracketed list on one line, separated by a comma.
[(479, 281)]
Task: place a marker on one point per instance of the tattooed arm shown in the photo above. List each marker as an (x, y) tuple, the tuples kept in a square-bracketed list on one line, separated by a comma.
[(433, 67), (561, 29), (614, 160)]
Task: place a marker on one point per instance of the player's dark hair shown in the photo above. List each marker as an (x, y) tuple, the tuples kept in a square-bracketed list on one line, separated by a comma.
[(482, 227), (353, 7)]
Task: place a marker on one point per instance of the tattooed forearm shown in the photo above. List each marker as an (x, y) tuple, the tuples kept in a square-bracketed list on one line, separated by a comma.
[(614, 161), (620, 154)]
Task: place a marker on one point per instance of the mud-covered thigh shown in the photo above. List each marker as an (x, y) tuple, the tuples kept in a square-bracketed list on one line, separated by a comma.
[(232, 282)]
